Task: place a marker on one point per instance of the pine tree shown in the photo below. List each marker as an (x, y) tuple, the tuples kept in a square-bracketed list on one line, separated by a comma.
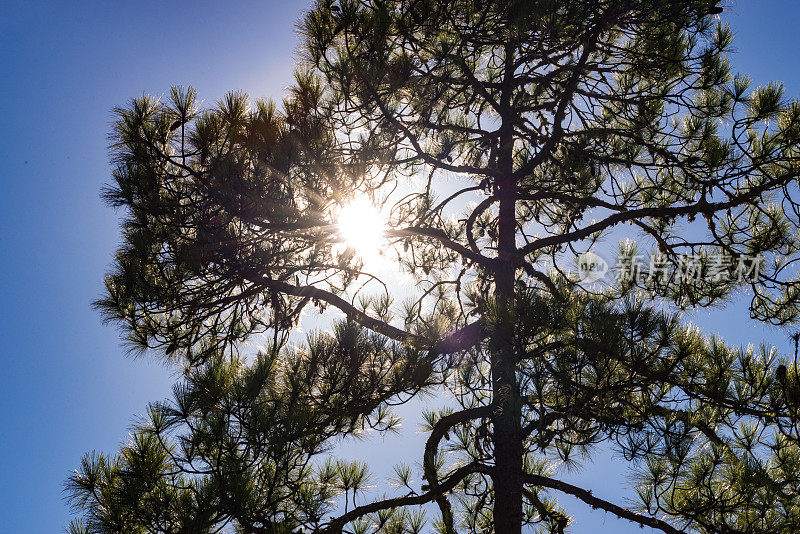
[(501, 138)]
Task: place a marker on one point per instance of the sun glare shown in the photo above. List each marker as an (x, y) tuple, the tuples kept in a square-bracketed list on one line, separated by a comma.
[(361, 226)]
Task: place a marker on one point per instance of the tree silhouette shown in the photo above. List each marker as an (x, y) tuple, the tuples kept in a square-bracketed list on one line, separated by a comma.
[(500, 139)]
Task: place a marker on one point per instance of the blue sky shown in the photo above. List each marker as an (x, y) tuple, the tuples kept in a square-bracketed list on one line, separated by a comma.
[(65, 386)]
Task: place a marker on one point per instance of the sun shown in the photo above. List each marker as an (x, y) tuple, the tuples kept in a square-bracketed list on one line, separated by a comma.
[(362, 228)]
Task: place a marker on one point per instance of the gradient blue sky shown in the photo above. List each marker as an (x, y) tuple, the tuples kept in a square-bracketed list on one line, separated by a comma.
[(65, 386)]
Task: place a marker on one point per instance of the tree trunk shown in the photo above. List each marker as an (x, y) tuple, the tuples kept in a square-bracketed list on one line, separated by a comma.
[(507, 433)]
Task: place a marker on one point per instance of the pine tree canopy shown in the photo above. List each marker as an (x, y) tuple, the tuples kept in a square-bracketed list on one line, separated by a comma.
[(499, 140)]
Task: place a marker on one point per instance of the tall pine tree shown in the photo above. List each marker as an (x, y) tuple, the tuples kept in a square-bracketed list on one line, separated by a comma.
[(500, 139)]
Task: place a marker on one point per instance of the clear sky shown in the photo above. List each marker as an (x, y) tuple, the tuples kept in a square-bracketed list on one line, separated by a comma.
[(65, 386)]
